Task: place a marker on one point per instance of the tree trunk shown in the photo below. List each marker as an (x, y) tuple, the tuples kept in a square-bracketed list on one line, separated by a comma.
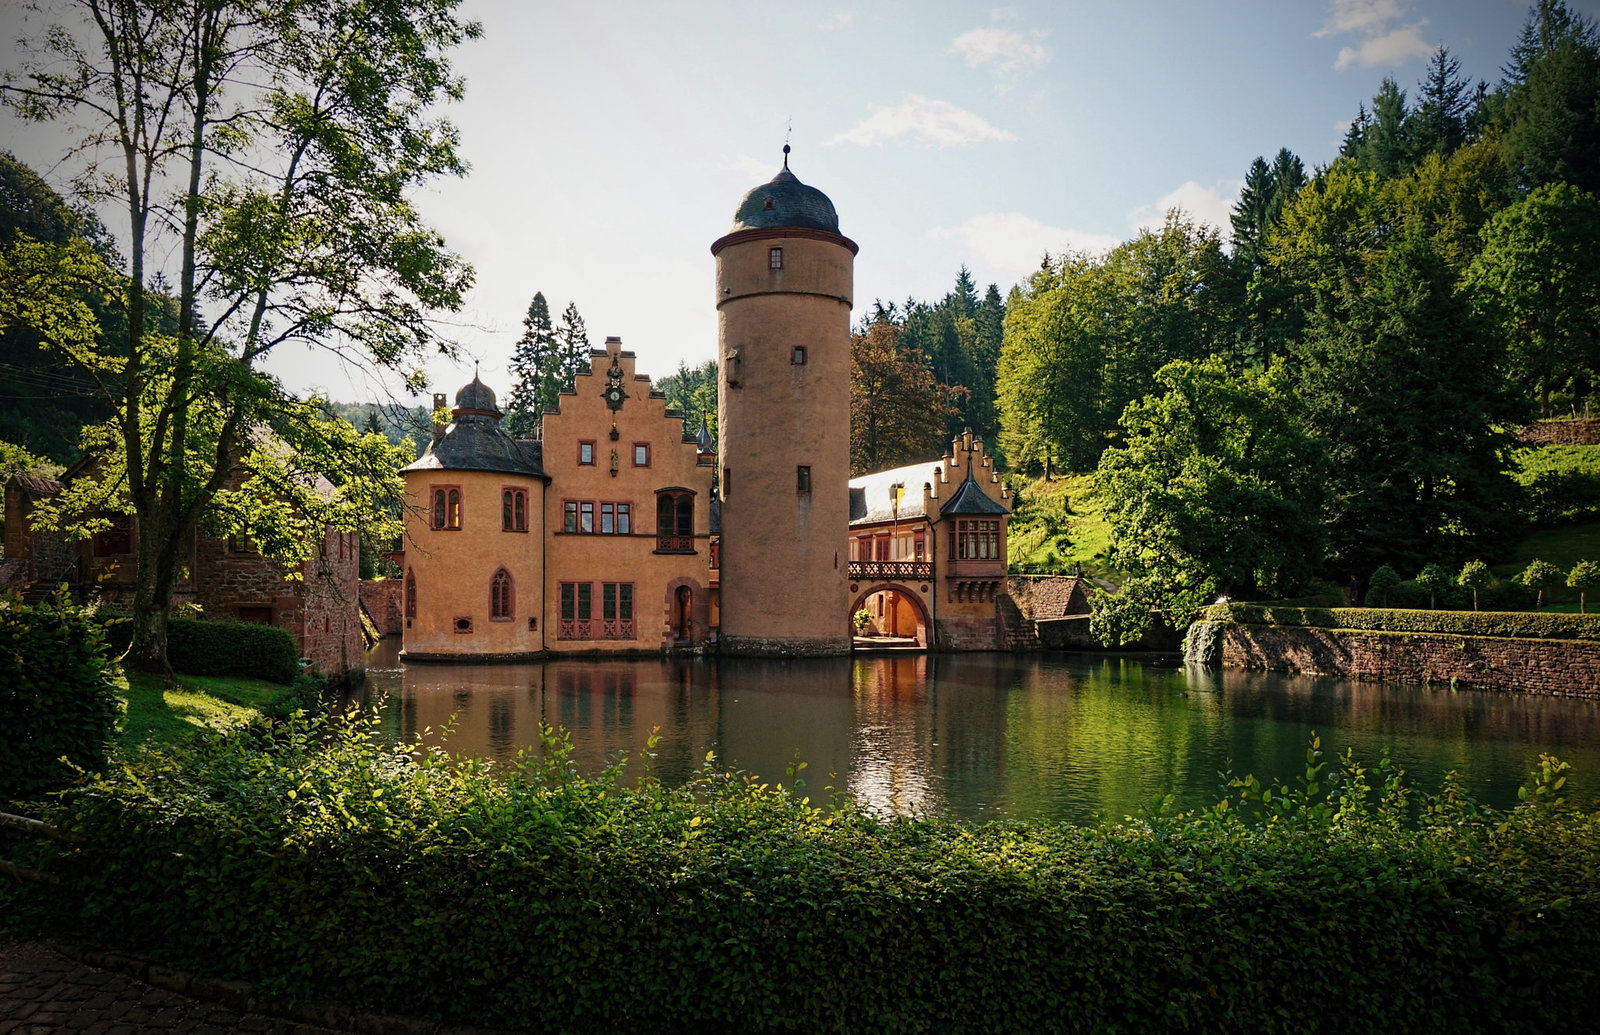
[(152, 597)]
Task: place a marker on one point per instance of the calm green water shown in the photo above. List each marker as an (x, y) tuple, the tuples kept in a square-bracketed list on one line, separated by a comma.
[(988, 735)]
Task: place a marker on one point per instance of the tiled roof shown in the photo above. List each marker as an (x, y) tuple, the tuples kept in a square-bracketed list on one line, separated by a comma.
[(870, 499)]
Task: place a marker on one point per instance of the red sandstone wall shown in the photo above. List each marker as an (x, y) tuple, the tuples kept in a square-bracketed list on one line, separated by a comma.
[(381, 598), (1532, 666)]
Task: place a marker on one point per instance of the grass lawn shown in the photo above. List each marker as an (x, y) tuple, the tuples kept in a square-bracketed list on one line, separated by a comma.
[(1059, 524), (169, 714)]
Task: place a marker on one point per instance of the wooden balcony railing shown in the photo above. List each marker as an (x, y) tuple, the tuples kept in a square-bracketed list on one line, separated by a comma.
[(885, 571)]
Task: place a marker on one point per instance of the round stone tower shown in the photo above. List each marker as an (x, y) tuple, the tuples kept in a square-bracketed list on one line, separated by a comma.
[(785, 277)]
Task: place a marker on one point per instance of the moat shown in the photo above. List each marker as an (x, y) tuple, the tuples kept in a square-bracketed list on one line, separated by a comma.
[(987, 736)]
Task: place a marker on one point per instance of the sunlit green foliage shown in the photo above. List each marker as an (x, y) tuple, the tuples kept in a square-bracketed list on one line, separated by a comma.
[(1217, 490)]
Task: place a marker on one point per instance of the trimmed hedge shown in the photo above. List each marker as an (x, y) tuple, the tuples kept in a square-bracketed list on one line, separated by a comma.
[(1517, 624), (58, 707), (200, 648), (332, 866)]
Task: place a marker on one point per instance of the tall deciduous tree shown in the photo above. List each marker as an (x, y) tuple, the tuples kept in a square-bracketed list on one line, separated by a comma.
[(1538, 280), (692, 391), (1216, 489), (268, 149), (897, 408)]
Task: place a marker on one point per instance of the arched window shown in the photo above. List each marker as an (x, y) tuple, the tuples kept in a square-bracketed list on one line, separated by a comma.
[(446, 507), (521, 501), (500, 601), (411, 593)]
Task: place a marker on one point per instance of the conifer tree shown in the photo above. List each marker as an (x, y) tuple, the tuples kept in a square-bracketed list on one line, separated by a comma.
[(536, 362), (1439, 124), (572, 344)]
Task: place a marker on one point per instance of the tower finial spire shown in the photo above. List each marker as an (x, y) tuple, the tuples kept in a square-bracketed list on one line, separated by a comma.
[(786, 156), (788, 131)]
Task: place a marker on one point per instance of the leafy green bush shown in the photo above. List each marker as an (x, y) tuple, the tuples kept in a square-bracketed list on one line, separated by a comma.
[(1560, 484), (325, 865), (58, 708), (1380, 619), (200, 648)]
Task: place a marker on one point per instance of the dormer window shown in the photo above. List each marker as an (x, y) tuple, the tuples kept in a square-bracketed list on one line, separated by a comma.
[(768, 203), (775, 258)]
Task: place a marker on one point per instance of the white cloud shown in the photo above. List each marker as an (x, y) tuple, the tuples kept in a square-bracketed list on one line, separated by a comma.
[(1007, 246), (756, 170), (1369, 16), (838, 21), (1007, 53), (1003, 14), (1212, 206), (920, 120), (1392, 49)]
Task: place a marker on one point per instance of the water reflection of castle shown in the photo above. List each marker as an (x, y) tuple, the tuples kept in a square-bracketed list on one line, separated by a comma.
[(872, 727)]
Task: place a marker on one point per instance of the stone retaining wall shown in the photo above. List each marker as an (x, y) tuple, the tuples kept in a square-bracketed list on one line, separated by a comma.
[(1561, 433), (1566, 667), (381, 598)]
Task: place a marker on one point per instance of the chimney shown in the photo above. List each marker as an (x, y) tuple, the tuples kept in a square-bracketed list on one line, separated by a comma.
[(438, 425)]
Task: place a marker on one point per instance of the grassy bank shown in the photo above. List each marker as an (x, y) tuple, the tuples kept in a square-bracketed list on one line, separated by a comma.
[(172, 713)]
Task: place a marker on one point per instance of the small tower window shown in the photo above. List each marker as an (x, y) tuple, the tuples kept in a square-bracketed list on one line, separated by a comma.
[(798, 356), (775, 259), (411, 593), (802, 478), (767, 203)]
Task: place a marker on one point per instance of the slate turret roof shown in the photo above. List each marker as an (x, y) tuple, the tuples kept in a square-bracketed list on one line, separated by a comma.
[(970, 499), (786, 202), (474, 441)]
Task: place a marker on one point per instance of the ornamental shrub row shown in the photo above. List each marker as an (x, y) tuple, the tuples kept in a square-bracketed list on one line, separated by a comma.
[(200, 648), (325, 864), (58, 708), (1519, 624)]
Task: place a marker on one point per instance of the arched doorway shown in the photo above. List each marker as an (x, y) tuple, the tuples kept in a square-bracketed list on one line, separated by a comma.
[(897, 611)]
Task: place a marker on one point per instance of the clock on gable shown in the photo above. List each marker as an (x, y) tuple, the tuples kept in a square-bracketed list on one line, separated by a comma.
[(613, 392)]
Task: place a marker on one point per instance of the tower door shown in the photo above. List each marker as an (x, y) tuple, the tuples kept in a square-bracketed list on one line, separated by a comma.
[(683, 613)]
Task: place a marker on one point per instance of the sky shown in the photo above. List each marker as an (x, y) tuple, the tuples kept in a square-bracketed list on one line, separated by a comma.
[(610, 143)]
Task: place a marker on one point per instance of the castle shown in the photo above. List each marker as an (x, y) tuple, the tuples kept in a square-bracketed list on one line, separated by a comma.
[(616, 531)]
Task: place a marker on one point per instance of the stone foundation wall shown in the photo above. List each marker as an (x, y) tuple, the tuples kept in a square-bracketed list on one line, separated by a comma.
[(1567, 667), (382, 600), (1561, 433), (968, 633), (772, 647)]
